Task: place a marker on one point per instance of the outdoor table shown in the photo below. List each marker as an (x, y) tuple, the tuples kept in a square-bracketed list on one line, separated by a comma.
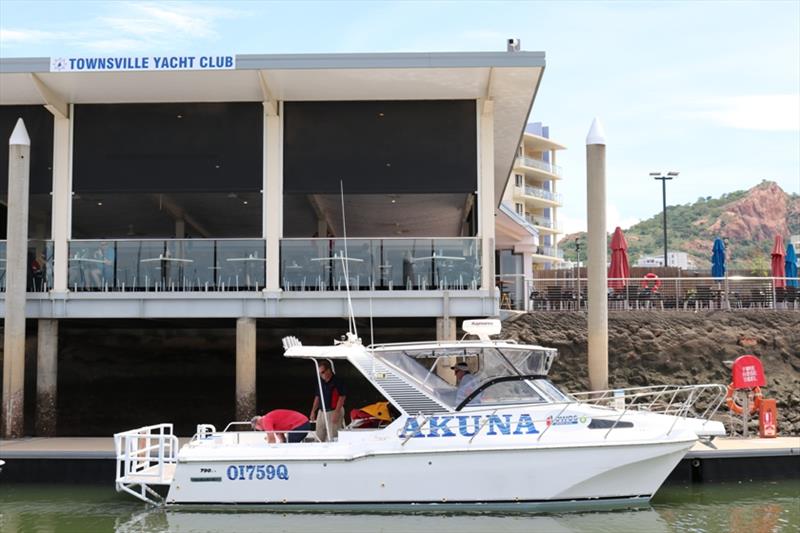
[(165, 261), (81, 271)]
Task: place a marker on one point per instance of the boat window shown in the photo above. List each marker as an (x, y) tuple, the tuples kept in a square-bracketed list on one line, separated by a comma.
[(506, 393), (485, 363), (553, 392)]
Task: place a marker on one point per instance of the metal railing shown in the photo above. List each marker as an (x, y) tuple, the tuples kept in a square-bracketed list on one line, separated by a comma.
[(39, 265), (668, 294), (536, 192), (380, 264), (681, 401), (550, 251), (539, 164), (167, 265), (145, 456)]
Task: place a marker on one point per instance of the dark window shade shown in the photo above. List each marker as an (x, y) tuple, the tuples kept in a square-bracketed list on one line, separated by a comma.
[(412, 146), (39, 124), (197, 147)]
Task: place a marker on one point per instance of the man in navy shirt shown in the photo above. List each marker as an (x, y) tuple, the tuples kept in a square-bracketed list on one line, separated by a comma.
[(334, 394)]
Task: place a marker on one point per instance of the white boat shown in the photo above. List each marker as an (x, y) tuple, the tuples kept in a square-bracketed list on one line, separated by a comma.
[(516, 440)]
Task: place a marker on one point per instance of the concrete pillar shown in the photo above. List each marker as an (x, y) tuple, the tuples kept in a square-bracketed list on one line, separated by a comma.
[(486, 203), (446, 331), (19, 151), (62, 201), (180, 228), (46, 378), (597, 256), (273, 194), (245, 368)]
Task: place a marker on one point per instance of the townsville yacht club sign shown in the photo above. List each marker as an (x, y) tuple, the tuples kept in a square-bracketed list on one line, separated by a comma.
[(142, 63)]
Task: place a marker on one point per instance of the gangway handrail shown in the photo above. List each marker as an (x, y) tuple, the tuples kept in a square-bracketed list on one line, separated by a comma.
[(143, 457)]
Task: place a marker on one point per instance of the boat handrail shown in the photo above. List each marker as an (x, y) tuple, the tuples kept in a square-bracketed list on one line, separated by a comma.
[(456, 343), (652, 399), (145, 456)]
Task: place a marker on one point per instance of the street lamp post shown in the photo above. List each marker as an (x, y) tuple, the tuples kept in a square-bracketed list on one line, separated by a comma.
[(664, 177), (578, 277)]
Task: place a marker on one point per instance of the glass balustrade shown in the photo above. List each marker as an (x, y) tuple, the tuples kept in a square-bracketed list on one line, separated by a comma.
[(541, 165), (38, 266), (542, 222), (536, 192), (380, 264), (167, 265)]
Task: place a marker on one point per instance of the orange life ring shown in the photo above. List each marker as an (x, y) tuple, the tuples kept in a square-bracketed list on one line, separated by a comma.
[(738, 409), (650, 276)]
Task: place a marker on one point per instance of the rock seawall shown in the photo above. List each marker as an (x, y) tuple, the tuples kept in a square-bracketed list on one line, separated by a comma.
[(656, 348)]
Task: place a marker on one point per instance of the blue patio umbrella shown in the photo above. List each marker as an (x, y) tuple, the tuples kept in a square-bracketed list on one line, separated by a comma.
[(791, 265), (718, 259)]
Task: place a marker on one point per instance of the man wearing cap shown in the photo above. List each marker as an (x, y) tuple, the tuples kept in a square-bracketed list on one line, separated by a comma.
[(279, 421), (467, 383)]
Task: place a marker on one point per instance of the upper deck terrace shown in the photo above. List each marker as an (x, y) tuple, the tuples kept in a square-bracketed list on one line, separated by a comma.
[(163, 278)]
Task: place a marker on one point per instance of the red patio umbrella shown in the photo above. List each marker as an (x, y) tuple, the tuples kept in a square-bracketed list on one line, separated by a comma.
[(778, 264), (619, 261)]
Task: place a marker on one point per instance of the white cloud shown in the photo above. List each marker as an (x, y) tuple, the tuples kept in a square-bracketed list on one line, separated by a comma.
[(23, 35), (134, 26), (614, 218), (765, 112)]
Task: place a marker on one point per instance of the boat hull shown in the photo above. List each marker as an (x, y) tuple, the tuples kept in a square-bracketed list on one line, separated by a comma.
[(602, 475)]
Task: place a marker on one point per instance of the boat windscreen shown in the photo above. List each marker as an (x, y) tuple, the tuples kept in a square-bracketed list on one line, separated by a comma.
[(484, 363)]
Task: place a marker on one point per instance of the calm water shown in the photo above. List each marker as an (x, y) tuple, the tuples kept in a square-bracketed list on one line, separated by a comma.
[(736, 508)]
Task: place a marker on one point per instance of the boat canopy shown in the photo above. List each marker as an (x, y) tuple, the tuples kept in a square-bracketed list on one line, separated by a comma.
[(490, 363)]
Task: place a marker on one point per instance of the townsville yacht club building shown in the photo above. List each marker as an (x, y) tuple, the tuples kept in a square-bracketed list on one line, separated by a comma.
[(222, 189)]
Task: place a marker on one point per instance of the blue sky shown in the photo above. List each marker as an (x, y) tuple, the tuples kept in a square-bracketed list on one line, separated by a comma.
[(710, 89)]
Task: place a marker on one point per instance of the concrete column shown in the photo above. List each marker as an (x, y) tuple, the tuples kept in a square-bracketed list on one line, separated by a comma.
[(486, 203), (527, 270), (273, 193), (245, 368), (62, 201), (446, 331), (46, 378), (596, 246), (180, 228), (19, 151)]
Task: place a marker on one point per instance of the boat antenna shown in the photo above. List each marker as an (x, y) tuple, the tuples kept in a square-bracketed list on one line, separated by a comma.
[(351, 319)]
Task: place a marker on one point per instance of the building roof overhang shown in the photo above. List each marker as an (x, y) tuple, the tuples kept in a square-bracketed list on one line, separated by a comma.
[(509, 79), (542, 143)]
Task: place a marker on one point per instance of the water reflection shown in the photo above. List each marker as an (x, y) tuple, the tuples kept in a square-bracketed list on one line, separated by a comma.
[(745, 508)]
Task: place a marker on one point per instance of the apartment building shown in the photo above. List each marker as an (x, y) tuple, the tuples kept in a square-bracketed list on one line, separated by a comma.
[(533, 192)]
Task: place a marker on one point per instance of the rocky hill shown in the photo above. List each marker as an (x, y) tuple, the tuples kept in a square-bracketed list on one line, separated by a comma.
[(676, 348), (749, 220)]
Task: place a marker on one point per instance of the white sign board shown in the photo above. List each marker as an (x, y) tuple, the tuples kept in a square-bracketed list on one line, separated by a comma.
[(142, 63)]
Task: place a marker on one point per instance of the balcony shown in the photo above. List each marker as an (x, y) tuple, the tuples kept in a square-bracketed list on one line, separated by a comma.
[(543, 223), (380, 264), (540, 194), (39, 266), (539, 165), (549, 251), (172, 265)]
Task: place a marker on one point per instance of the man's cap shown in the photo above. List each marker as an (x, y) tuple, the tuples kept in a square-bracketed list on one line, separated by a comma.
[(460, 366)]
